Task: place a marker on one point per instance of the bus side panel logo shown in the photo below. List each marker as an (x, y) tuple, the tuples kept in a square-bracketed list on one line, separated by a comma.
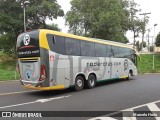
[(26, 39)]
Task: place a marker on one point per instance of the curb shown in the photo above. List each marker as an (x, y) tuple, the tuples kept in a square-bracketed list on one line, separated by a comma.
[(2, 81)]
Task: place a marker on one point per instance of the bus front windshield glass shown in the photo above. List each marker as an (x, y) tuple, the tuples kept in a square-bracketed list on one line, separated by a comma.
[(28, 45)]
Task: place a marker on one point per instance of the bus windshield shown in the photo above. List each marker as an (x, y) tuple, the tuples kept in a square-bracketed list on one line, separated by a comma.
[(28, 44)]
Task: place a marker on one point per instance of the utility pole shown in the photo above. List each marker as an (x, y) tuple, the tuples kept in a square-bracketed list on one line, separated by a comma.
[(143, 30), (132, 22), (24, 13)]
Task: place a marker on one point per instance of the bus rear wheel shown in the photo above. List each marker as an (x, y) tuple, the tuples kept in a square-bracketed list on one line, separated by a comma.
[(79, 83), (91, 82)]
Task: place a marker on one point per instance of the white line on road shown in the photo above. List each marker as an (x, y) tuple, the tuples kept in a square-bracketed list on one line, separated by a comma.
[(129, 114), (37, 101), (152, 106), (12, 93), (102, 118)]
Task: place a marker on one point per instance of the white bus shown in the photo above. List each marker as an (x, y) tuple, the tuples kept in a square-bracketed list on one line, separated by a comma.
[(50, 60)]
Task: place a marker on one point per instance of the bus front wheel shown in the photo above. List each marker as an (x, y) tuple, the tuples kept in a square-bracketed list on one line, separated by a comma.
[(91, 82), (129, 75), (79, 83)]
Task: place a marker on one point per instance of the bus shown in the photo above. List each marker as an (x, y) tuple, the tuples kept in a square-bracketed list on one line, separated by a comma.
[(51, 60)]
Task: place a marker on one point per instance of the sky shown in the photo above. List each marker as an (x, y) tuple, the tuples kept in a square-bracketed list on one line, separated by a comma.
[(146, 6)]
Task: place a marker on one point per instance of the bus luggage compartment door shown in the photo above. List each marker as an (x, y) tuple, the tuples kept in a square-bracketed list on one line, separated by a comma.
[(30, 71)]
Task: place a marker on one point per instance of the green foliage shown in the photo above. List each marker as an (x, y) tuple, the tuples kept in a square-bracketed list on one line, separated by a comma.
[(151, 48), (105, 19), (135, 24), (38, 11), (158, 40), (145, 64), (139, 45), (53, 27), (10, 23), (11, 18), (8, 67)]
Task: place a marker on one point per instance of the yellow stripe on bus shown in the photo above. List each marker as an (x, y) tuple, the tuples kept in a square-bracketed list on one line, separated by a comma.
[(44, 42), (123, 77), (59, 87), (29, 58)]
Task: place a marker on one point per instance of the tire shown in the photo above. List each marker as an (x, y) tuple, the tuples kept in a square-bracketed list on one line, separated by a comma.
[(79, 83), (91, 82), (129, 75)]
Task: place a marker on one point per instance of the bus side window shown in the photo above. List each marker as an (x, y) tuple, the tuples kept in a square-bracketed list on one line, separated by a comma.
[(109, 51), (120, 52), (56, 43), (87, 48), (114, 51), (72, 46), (100, 50)]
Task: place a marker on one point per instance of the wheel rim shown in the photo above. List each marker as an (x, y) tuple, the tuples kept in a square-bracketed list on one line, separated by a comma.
[(92, 82), (129, 75), (79, 83)]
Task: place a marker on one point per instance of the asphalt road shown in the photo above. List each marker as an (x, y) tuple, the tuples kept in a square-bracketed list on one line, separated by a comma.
[(109, 97)]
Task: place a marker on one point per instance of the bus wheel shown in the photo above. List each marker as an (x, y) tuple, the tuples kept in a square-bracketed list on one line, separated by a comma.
[(91, 82), (129, 75), (79, 83)]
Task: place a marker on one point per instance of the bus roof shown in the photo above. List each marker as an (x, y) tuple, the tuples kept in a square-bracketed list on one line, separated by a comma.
[(85, 38)]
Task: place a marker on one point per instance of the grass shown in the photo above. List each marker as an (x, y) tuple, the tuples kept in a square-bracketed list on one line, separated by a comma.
[(146, 63), (8, 67)]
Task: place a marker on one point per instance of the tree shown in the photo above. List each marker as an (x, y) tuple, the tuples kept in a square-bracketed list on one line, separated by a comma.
[(157, 43), (53, 27), (11, 18), (139, 45), (39, 10), (105, 19), (135, 24)]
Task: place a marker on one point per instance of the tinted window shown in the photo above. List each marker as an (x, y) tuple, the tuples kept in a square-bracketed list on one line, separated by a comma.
[(72, 46), (100, 50), (56, 43), (28, 45), (126, 52), (115, 51), (87, 48), (109, 51), (121, 52)]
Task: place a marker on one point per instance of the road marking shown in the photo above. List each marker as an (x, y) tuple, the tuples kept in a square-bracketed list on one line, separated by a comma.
[(37, 101), (142, 105), (50, 99), (12, 93), (129, 114), (102, 118), (152, 107)]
